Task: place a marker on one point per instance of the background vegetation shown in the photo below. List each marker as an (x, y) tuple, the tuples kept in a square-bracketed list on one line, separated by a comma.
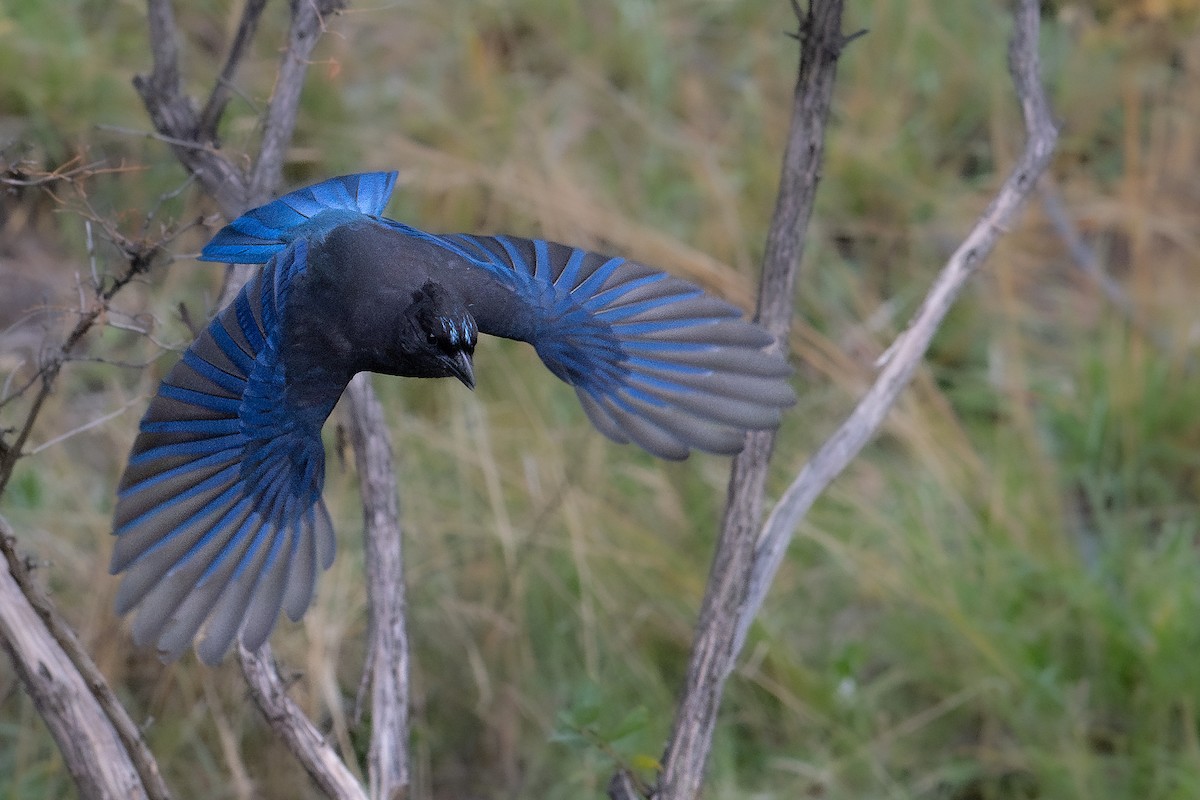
[(1001, 598)]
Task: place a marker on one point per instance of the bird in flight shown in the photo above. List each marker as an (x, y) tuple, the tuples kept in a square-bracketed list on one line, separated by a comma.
[(219, 519)]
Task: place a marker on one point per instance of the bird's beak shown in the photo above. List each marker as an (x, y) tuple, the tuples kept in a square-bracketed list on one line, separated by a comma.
[(461, 368)]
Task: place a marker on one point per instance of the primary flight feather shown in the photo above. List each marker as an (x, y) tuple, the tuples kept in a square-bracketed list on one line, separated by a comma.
[(219, 519)]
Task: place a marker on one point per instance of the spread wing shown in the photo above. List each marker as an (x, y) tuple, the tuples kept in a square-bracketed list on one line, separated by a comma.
[(654, 359), (219, 514)]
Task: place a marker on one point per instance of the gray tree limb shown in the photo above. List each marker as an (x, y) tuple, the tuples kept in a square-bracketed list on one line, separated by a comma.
[(101, 747), (905, 354), (214, 109), (174, 114), (713, 650), (93, 752), (745, 565), (315, 754), (387, 666)]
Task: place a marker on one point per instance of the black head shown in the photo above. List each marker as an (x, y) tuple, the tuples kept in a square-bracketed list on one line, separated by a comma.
[(445, 334)]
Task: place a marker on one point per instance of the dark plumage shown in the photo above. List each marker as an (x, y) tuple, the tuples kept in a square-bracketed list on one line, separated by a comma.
[(219, 516)]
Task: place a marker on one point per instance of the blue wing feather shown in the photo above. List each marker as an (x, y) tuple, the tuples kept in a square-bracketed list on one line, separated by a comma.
[(654, 359), (223, 486), (258, 235)]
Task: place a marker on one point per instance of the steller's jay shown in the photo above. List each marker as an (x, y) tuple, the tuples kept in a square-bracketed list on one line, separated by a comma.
[(219, 514)]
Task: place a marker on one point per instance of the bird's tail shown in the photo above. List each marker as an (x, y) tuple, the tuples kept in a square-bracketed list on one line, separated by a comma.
[(257, 235)]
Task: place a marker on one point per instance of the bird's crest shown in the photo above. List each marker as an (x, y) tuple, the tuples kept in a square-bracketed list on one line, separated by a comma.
[(257, 235)]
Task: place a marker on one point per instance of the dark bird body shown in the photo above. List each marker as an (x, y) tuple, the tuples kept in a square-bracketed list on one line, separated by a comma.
[(219, 518)]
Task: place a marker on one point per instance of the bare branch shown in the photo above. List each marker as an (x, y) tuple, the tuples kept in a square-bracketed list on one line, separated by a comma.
[(49, 657), (91, 749), (174, 141), (18, 174), (387, 664), (101, 746), (14, 450), (174, 114), (140, 255), (740, 577), (623, 786), (214, 109), (713, 650), (387, 661), (177, 123), (906, 352), (308, 21), (87, 426), (318, 758)]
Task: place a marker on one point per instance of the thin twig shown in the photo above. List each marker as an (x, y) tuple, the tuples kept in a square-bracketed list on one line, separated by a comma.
[(14, 450), (1085, 259), (48, 372), (69, 172), (163, 198), (6, 397), (174, 141), (87, 426)]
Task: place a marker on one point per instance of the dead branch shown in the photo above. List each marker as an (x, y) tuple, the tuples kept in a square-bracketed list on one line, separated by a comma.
[(297, 731), (904, 356), (101, 746), (308, 23), (214, 109), (387, 663), (51, 662), (739, 580), (139, 256), (1085, 259), (713, 649), (103, 749), (174, 114), (94, 753)]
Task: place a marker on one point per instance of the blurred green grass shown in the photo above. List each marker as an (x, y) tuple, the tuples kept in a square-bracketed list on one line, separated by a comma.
[(1000, 599)]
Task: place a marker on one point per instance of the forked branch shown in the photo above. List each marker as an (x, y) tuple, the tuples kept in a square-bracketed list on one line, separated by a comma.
[(745, 564), (904, 356)]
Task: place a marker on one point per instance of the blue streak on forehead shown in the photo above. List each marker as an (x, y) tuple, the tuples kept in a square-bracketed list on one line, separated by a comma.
[(460, 330)]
